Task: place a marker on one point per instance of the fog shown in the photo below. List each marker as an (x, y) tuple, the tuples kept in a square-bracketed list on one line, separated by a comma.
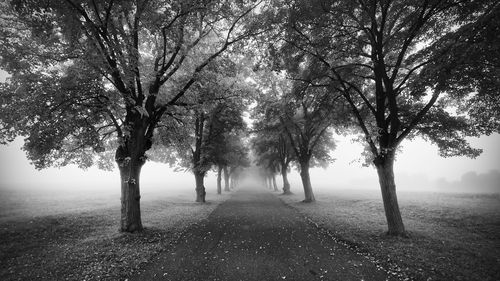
[(418, 167)]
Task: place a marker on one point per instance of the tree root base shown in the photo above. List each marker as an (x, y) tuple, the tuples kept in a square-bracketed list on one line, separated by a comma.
[(397, 234)]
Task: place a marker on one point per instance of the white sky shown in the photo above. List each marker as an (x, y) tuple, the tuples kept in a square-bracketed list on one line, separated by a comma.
[(416, 166)]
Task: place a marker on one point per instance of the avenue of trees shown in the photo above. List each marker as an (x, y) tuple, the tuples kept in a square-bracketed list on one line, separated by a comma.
[(293, 125), (108, 73), (206, 132), (396, 65), (97, 82)]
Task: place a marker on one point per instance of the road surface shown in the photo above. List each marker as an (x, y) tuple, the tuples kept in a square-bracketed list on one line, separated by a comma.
[(255, 236)]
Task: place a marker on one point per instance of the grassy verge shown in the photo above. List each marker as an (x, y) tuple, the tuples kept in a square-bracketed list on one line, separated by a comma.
[(85, 244), (452, 236)]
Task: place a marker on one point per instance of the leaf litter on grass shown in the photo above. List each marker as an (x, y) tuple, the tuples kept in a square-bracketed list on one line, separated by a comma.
[(452, 236), (87, 245)]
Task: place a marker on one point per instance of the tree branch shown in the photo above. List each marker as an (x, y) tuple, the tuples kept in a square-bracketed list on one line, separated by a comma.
[(357, 114), (417, 118)]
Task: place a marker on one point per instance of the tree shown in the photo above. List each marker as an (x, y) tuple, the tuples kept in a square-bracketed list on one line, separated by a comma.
[(228, 149), (266, 147), (268, 167), (230, 153), (271, 144), (285, 156), (265, 151), (215, 107), (387, 57), (296, 118), (135, 59), (307, 117), (470, 68), (225, 148)]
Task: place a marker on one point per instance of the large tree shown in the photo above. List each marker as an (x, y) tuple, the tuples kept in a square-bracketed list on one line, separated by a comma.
[(96, 74), (392, 61)]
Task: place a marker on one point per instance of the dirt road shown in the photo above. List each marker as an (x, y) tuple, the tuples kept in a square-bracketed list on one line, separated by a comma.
[(255, 236)]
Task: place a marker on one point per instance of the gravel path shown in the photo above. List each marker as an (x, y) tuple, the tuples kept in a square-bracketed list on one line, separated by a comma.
[(255, 236)]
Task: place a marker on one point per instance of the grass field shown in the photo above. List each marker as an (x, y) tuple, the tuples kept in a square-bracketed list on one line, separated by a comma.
[(72, 234), (452, 236)]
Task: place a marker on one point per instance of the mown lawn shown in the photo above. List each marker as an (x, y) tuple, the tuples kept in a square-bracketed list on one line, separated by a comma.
[(74, 235), (57, 235), (452, 236)]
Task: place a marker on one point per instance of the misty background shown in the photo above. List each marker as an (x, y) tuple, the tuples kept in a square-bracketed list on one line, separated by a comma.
[(418, 168)]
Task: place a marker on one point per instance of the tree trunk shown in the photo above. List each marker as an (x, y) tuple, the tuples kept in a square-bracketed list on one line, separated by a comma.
[(219, 180), (306, 182), (232, 181), (385, 170), (226, 179), (274, 183), (200, 187), (130, 170), (198, 170), (286, 183)]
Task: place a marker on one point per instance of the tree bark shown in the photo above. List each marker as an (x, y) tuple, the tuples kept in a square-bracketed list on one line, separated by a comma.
[(219, 180), (200, 187), (385, 170), (275, 186), (130, 170), (198, 170), (130, 158), (286, 183), (226, 179), (306, 182)]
